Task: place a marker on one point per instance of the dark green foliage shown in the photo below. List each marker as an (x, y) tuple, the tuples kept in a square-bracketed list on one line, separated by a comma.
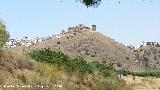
[(122, 72), (106, 70), (49, 56), (81, 66), (72, 65), (90, 3), (145, 74)]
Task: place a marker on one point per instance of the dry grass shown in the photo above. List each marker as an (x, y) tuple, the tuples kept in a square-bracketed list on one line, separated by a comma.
[(143, 82), (16, 69)]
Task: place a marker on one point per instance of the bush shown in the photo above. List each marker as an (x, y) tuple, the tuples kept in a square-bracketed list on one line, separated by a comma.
[(4, 35)]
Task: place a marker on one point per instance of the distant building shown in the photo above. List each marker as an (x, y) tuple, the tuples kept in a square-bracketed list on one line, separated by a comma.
[(63, 31), (149, 43), (79, 28), (93, 27), (158, 45), (71, 28)]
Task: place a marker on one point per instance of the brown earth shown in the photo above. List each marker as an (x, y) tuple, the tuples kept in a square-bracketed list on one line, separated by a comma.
[(149, 57), (94, 46)]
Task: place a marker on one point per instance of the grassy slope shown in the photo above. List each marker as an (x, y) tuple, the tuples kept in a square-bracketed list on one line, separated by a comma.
[(16, 69), (145, 83)]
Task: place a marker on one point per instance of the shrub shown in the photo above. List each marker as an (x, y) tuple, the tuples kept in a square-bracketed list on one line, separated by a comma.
[(4, 35)]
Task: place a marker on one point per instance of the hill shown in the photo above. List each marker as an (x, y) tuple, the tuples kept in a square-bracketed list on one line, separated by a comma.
[(149, 56), (91, 45)]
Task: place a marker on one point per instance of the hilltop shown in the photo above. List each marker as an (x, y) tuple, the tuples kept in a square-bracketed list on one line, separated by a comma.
[(92, 45)]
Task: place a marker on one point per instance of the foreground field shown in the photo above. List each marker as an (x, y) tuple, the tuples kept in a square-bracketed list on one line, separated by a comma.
[(19, 72)]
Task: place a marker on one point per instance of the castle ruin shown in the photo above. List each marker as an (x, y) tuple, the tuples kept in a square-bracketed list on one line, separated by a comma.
[(82, 27)]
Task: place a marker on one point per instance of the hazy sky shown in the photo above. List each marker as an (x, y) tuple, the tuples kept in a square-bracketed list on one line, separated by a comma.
[(129, 22)]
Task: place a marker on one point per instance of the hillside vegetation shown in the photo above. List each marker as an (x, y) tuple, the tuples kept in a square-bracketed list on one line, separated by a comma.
[(4, 35), (149, 57), (78, 64), (17, 69), (93, 46)]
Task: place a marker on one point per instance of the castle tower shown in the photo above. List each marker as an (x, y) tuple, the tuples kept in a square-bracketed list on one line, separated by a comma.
[(93, 27), (63, 32)]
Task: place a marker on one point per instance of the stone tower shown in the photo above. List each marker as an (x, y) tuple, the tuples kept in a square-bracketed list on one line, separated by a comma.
[(93, 27), (63, 32)]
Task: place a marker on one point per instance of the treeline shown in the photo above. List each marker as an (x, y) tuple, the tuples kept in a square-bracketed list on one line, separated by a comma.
[(141, 74), (78, 64), (145, 74)]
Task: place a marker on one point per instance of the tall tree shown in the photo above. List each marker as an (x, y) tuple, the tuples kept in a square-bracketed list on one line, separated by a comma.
[(4, 35)]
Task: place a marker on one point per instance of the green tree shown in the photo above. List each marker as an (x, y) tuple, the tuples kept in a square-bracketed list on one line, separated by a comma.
[(90, 3), (4, 35)]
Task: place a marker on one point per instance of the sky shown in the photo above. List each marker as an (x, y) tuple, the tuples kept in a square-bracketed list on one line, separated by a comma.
[(130, 22)]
